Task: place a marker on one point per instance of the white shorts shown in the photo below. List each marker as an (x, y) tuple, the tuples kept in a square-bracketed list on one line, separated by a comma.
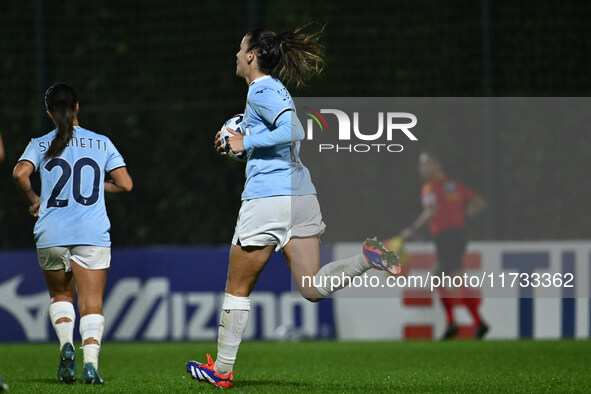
[(275, 220), (87, 256)]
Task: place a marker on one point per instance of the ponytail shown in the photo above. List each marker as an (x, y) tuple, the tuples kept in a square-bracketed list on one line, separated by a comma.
[(292, 56), (60, 101), (301, 57)]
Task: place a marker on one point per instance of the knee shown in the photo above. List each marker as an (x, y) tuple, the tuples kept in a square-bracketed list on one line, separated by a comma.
[(89, 307), (311, 294)]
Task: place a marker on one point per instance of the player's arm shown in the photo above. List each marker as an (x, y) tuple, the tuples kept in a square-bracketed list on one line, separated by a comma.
[(429, 201), (271, 106), (288, 129), (22, 178), (475, 206), (120, 181), (474, 203), (1, 150), (428, 212)]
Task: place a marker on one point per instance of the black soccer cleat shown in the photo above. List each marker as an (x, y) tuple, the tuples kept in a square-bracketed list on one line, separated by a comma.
[(450, 332), (481, 331)]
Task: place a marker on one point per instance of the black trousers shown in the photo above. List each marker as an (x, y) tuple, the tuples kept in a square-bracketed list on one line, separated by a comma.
[(451, 245)]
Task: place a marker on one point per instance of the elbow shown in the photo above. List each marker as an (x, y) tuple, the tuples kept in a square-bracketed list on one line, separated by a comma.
[(18, 175), (298, 133), (483, 204), (480, 204), (297, 130), (128, 185), (22, 171)]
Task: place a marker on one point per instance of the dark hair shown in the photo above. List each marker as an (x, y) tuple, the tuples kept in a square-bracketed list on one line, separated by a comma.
[(291, 56), (60, 101)]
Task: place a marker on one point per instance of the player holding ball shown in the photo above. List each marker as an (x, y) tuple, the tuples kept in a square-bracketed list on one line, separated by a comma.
[(279, 209)]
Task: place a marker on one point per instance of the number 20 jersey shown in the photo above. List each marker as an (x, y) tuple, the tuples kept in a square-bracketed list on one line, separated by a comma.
[(72, 210)]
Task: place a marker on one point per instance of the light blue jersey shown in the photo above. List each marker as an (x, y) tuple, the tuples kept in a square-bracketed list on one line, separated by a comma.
[(272, 140), (72, 210)]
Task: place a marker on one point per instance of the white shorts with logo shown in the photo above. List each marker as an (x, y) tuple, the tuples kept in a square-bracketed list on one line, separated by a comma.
[(87, 256), (275, 220)]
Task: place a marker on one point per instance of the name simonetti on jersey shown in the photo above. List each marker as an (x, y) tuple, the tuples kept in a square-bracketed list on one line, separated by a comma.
[(82, 142)]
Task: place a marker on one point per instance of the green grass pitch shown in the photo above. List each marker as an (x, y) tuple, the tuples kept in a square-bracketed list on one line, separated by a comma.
[(319, 367)]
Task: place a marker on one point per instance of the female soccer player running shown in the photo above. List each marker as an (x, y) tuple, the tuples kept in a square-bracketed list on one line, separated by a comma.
[(72, 229), (279, 206)]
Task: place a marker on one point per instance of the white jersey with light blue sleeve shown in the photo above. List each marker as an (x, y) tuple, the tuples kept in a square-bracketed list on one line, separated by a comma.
[(272, 140), (72, 210)]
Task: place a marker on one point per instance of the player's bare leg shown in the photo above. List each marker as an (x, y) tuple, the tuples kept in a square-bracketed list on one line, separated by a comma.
[(246, 264), (91, 288), (62, 315), (61, 286), (303, 257)]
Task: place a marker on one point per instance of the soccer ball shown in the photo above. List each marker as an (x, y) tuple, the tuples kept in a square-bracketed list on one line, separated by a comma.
[(234, 124)]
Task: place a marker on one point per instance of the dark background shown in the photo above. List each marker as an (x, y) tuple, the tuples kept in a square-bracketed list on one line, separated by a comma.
[(158, 79)]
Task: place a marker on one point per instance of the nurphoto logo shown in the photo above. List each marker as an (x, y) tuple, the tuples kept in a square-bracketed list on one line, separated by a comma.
[(389, 125)]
